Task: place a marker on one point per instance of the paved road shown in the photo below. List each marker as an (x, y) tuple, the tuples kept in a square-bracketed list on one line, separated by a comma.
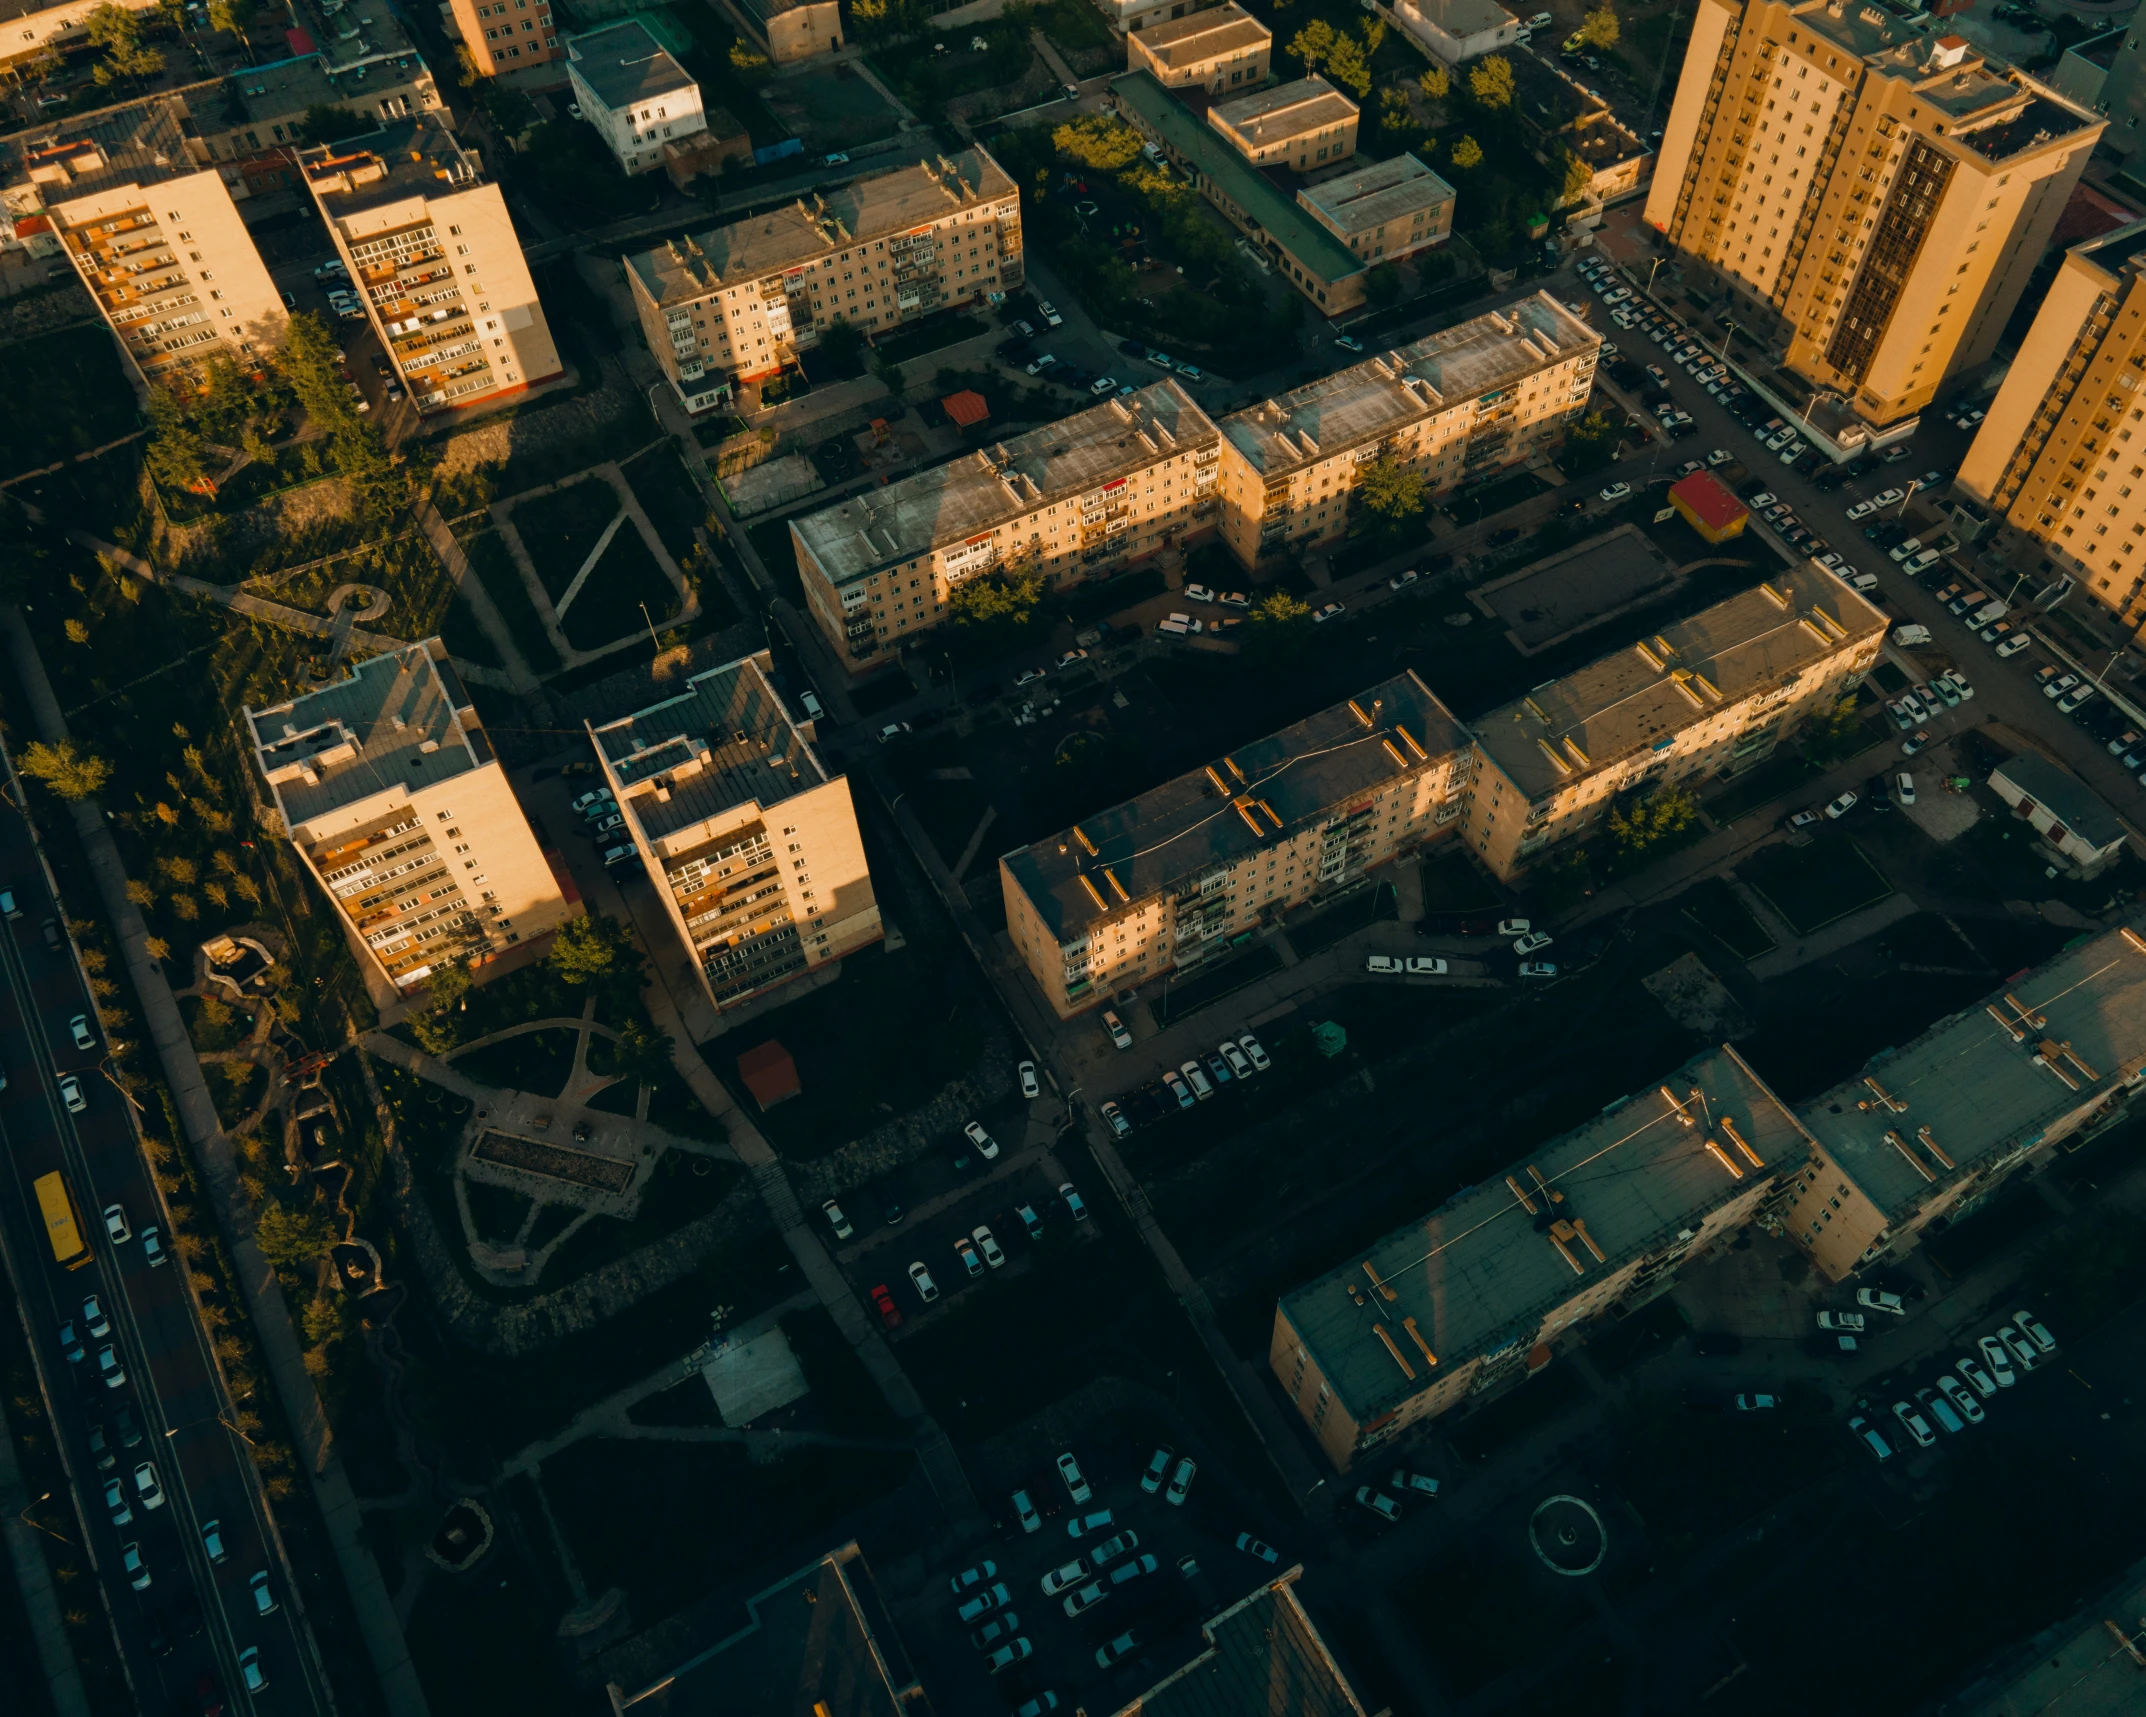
[(171, 1387)]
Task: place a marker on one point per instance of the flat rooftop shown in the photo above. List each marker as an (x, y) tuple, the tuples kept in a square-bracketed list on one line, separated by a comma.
[(1577, 587), (1986, 1086), (1371, 196), (980, 491), (1368, 401), (395, 722), (1201, 36), (1640, 697), (1187, 825), (2076, 1668), (1315, 249), (1478, 1274), (1263, 1657), (1272, 116), (143, 142), (623, 64), (724, 741), (2067, 798), (417, 157), (700, 263), (1463, 17)]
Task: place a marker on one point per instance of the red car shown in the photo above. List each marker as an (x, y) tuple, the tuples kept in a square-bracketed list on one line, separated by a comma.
[(885, 1302)]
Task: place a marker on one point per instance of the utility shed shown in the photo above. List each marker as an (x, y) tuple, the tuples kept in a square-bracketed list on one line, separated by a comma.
[(2079, 831)]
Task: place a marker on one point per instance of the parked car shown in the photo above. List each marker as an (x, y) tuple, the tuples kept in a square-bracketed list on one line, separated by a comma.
[(1025, 1512), (920, 1279), (1254, 1052), (1378, 1502), (836, 1220), (1914, 1424), (986, 1145), (1998, 1358), (1128, 1642), (1841, 807), (2031, 1328), (1962, 1399), (1075, 1482), (983, 1603), (1181, 1481), (1877, 1300), (889, 1314), (1116, 1027), (1867, 1434)]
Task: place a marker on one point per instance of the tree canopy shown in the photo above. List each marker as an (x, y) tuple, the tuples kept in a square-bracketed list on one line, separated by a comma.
[(1644, 823), (592, 949), (290, 1239), (1467, 152), (1000, 599), (1098, 140), (641, 1053), (1279, 627), (1436, 82), (119, 33), (1491, 82), (1394, 491), (1599, 28), (68, 773)]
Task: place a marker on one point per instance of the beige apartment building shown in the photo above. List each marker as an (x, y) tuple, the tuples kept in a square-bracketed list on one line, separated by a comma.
[(1306, 124), (1221, 49), (734, 304), (159, 243), (1708, 696), (1928, 1131), (1471, 1296), (1874, 197), (2061, 457), (756, 846), (433, 254), (1193, 868), (1385, 211), (28, 30), (509, 35), (390, 791), (791, 30), (1452, 405), (1076, 499)]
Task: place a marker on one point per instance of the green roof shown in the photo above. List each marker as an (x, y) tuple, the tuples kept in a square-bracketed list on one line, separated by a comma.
[(1270, 207)]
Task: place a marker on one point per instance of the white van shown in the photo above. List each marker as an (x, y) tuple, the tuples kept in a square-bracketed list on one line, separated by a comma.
[(1179, 626), (811, 702)]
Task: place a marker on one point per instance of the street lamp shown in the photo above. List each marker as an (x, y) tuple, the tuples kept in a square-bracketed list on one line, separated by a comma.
[(24, 1517), (1726, 326), (1658, 261), (216, 1418)]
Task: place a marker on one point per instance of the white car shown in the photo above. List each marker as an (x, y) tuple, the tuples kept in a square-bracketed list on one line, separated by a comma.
[(1049, 312), (1200, 593), (115, 1223), (1426, 966), (1103, 385), (83, 1036), (2031, 1327), (920, 1279), (1864, 1432), (1861, 510), (1239, 1063), (146, 1486), (1112, 1548), (985, 1144), (1123, 1646), (2012, 646), (1383, 965), (2023, 1351), (1840, 807), (1069, 1471), (1065, 1575), (1617, 492), (986, 1600), (1402, 580), (1009, 1654), (1025, 1512), (1030, 1085), (1978, 1378), (130, 1556), (1180, 1482), (1532, 943), (892, 731), (1081, 1525), (987, 1244), (1962, 1399), (967, 1254), (836, 1220), (1085, 1597), (1875, 1300), (115, 1499), (1998, 1358), (71, 1094), (1116, 1028), (1158, 1469), (1332, 611), (1378, 1502), (1914, 1424), (1126, 1572), (1254, 1053)]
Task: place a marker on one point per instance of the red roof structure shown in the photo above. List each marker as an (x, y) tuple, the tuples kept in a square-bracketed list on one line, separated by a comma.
[(1708, 506), (769, 1074), (966, 409)]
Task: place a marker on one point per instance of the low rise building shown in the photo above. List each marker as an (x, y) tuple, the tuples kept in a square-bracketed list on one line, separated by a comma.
[(1125, 16), (1263, 1655), (1927, 1132), (1076, 499), (1707, 504), (1704, 697), (753, 846), (389, 789), (633, 92), (1308, 256), (1471, 1296), (1565, 120), (1195, 866), (734, 304), (433, 257), (791, 30), (1452, 31), (1385, 211), (710, 150), (1451, 405), (1304, 125), (1223, 49), (2079, 833), (155, 236), (509, 36)]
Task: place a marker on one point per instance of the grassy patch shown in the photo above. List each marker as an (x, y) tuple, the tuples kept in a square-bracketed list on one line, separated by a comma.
[(626, 593), (1380, 903), (83, 397), (1781, 773), (1815, 885), (1182, 997), (1480, 1614), (683, 1189), (536, 1061), (1713, 906), (502, 581), (923, 338), (496, 1212), (670, 497), (559, 530)]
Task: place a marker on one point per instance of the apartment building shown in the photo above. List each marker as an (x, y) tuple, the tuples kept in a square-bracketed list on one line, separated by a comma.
[(1708, 696), (1191, 869), (2061, 458), (28, 30), (507, 36), (633, 92), (761, 867), (1262, 1655), (432, 252), (1452, 31), (791, 30), (366, 63), (390, 791), (1873, 197), (1221, 49), (1452, 405), (1305, 124), (157, 240), (1076, 499), (1473, 1294), (1928, 1131), (1385, 211), (734, 304)]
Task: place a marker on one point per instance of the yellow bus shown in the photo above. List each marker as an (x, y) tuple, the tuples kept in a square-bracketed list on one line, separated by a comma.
[(60, 1225)]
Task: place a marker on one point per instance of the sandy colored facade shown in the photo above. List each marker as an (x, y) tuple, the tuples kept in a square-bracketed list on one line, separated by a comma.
[(734, 304), (174, 272), (433, 255), (1385, 211), (756, 848), (1710, 695), (633, 92), (1451, 405), (1306, 124), (1220, 50), (793, 31), (1192, 868), (2061, 457), (508, 35), (1075, 500), (389, 790), (1872, 196), (28, 30)]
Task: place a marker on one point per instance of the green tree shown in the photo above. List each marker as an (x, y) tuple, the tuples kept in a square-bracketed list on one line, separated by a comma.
[(1466, 152), (433, 1017), (1491, 82), (1394, 491), (1098, 140), (996, 600), (68, 773), (746, 58), (641, 1053), (1599, 28), (1383, 285), (1832, 734), (176, 457), (593, 949), (1312, 44), (119, 33), (1374, 36), (1279, 628), (1644, 823), (291, 1239), (1436, 82), (1349, 66), (1395, 119), (1579, 179), (1590, 444), (233, 17)]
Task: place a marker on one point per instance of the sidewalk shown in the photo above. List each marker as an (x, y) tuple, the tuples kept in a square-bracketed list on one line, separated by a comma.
[(279, 1344), (41, 1604)]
